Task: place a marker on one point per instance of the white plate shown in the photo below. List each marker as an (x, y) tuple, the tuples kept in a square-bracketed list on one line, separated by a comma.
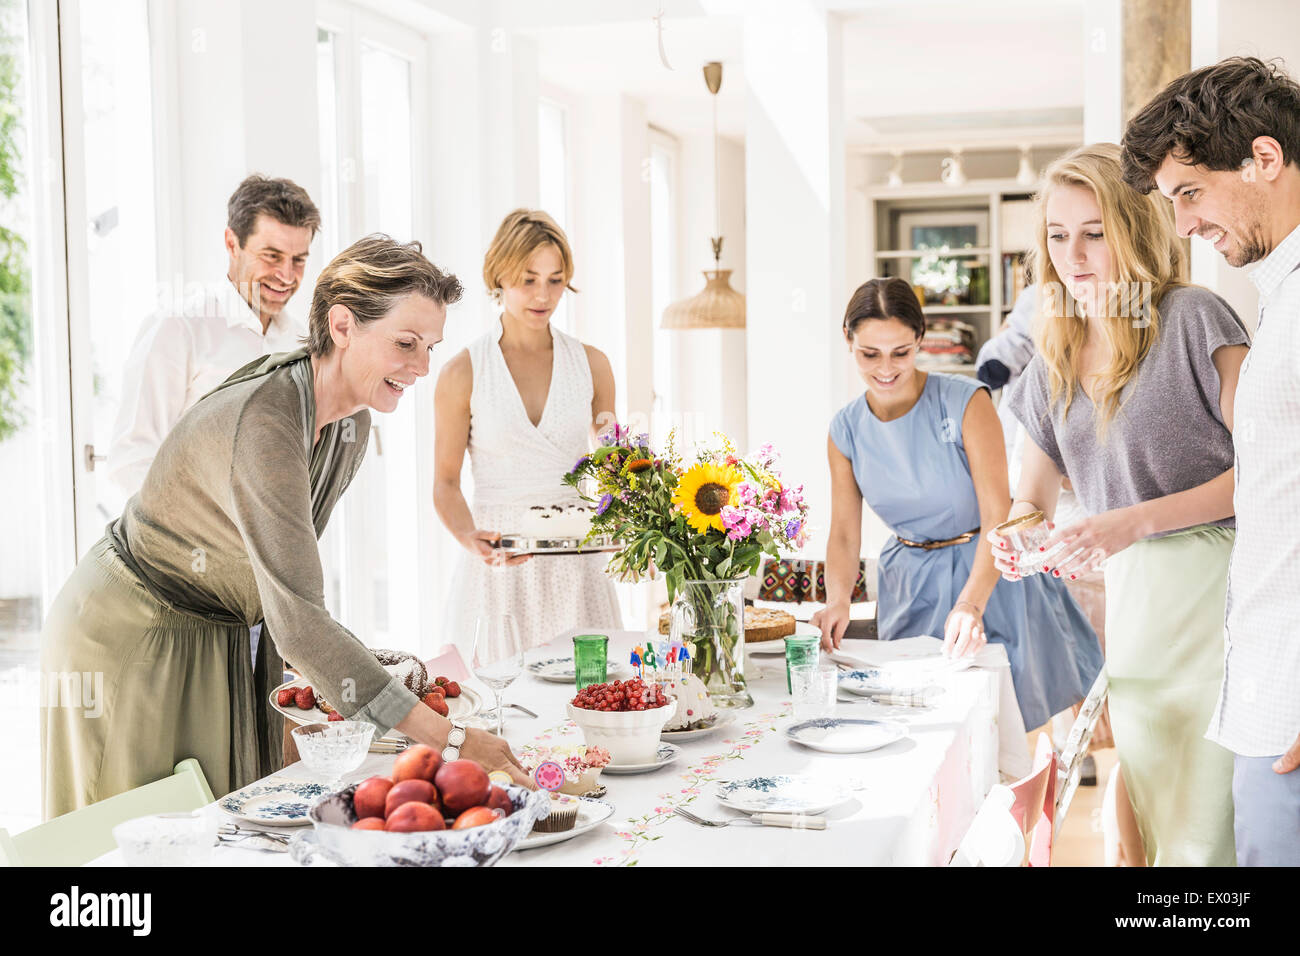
[(781, 793), (591, 814), (666, 755), (559, 670), (776, 648), (466, 705), (720, 720), (846, 735), (274, 804)]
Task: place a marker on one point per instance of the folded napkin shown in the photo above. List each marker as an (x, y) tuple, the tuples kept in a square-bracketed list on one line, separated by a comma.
[(447, 664)]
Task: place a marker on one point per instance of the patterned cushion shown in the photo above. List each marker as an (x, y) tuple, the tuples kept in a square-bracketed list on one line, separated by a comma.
[(792, 580)]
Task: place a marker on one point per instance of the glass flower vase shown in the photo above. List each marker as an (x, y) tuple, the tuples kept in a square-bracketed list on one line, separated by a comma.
[(710, 617)]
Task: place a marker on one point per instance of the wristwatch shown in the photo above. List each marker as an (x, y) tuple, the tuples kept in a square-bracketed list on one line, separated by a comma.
[(455, 740)]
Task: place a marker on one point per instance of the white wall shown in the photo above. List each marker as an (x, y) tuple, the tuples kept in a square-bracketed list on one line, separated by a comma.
[(709, 365)]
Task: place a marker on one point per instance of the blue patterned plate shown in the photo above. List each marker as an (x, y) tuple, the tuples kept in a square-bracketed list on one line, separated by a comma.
[(866, 682), (846, 735), (781, 793), (559, 670), (274, 804), (666, 754)]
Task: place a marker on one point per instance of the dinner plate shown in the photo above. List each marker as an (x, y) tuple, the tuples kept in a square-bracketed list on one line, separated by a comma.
[(458, 708), (666, 755), (560, 670), (716, 722), (776, 648), (591, 814), (781, 793), (846, 735), (282, 804)]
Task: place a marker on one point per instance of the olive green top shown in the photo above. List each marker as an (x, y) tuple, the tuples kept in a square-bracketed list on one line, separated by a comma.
[(226, 526)]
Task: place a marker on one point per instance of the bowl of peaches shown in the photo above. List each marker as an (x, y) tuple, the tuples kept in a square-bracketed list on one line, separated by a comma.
[(429, 812)]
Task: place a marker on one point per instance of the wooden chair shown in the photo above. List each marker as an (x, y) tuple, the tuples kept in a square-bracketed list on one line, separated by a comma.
[(1013, 826), (1075, 750), (80, 836)]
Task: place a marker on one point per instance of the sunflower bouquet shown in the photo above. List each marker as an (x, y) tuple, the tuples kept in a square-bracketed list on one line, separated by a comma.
[(705, 526)]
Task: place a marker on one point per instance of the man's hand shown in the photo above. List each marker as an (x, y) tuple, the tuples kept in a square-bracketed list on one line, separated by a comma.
[(1289, 760)]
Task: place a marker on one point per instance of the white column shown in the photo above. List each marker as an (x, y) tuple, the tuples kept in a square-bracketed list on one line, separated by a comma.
[(794, 241)]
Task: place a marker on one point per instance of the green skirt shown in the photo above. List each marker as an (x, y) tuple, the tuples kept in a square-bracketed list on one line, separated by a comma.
[(1164, 654), (130, 687)]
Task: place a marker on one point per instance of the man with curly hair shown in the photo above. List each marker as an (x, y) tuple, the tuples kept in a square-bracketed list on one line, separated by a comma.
[(1223, 144)]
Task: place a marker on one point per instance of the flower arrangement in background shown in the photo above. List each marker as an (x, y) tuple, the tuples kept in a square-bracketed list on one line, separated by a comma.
[(709, 522)]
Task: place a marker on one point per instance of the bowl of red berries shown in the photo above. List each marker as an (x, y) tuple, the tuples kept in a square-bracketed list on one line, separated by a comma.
[(624, 717)]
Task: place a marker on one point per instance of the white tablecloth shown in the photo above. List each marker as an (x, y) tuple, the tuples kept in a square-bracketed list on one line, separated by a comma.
[(912, 801)]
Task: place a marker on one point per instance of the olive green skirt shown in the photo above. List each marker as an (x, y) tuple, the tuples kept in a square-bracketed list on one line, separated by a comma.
[(1164, 655), (153, 685)]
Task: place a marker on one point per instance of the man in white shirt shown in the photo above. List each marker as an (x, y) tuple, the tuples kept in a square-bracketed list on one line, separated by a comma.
[(180, 357), (1223, 143)]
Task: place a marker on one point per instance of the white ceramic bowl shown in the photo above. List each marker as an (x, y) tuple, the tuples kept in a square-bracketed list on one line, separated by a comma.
[(631, 736)]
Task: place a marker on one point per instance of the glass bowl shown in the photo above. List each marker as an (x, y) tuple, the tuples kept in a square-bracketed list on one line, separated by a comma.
[(332, 749), (167, 839)]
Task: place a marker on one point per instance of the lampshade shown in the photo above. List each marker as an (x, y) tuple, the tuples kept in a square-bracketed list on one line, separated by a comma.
[(717, 306)]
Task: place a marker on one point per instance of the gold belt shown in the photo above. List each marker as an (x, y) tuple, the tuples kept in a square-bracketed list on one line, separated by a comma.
[(931, 545)]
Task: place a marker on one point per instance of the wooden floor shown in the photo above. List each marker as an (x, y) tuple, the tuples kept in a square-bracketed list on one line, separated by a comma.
[(1079, 842)]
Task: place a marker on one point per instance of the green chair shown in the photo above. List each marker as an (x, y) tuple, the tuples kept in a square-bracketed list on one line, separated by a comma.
[(76, 838)]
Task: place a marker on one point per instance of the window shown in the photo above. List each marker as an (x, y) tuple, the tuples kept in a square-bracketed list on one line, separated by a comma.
[(663, 279), (553, 188)]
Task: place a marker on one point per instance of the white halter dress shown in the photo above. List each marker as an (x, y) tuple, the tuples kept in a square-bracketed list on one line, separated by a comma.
[(517, 465)]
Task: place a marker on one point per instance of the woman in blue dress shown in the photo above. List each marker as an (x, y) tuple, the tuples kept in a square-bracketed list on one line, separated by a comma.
[(925, 451)]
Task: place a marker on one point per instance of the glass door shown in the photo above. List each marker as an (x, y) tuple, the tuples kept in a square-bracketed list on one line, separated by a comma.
[(372, 83), (36, 517)]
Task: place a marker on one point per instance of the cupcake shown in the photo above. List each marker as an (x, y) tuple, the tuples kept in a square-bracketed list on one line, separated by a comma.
[(563, 815)]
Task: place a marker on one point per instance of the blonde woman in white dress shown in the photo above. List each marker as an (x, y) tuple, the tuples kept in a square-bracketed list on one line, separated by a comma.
[(525, 401)]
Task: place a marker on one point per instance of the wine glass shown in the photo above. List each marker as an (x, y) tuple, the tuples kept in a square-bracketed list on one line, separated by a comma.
[(498, 655)]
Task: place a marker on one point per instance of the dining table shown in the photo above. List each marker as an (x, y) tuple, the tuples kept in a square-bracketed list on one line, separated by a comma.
[(905, 804)]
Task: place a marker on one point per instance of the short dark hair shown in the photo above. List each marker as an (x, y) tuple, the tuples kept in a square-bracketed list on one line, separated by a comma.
[(1211, 116), (370, 277), (282, 199), (890, 298)]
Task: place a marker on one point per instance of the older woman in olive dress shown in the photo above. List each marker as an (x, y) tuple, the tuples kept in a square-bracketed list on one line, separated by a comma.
[(223, 535)]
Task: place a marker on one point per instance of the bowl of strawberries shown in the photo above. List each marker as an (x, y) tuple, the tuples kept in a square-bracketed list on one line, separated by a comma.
[(624, 717), (428, 812)]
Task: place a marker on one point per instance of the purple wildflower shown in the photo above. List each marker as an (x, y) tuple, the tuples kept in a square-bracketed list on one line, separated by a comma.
[(792, 528), (580, 464), (605, 502)]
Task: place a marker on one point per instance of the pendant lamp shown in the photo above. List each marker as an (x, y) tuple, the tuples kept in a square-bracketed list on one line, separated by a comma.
[(718, 305)]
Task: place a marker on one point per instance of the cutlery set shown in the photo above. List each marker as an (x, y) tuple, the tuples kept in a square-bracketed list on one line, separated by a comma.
[(792, 821)]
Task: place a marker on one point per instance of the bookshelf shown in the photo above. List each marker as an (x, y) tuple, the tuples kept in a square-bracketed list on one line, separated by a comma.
[(963, 247)]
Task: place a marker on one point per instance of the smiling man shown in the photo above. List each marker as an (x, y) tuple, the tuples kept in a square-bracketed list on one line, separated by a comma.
[(1223, 144), (181, 356)]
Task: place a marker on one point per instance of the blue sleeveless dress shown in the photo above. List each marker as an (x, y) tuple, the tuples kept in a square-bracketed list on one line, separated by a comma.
[(914, 475)]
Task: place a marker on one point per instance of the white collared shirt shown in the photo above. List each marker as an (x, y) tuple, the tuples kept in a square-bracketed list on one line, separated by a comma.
[(1259, 704), (178, 358)]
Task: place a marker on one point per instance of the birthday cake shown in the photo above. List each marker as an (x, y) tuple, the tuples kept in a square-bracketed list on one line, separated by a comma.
[(761, 624), (694, 708), (556, 522)]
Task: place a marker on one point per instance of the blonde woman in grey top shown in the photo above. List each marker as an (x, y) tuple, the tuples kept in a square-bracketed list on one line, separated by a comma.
[(1131, 397), (223, 534)]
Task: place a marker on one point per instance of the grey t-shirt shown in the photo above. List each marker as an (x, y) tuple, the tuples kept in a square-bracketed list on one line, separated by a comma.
[(1168, 435)]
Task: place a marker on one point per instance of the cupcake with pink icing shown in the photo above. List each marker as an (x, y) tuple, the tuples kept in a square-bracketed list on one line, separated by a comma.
[(581, 765)]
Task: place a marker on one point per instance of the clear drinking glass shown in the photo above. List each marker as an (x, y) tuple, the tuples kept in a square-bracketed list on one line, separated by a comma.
[(498, 655), (813, 690)]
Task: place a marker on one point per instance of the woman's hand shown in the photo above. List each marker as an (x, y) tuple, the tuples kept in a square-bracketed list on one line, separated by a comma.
[(963, 632), (833, 621), (493, 753), (1087, 543), (476, 543), (1009, 564)]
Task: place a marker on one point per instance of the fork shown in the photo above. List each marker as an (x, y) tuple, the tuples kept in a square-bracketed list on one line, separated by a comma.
[(791, 821)]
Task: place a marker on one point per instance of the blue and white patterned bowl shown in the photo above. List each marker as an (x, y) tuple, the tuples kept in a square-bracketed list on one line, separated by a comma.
[(333, 839)]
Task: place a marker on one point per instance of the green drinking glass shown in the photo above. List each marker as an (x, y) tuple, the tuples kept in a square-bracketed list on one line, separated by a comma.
[(800, 649), (590, 657)]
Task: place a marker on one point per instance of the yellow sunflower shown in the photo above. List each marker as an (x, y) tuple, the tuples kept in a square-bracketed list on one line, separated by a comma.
[(702, 492)]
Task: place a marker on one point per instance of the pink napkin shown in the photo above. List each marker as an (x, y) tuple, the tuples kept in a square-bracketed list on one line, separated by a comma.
[(447, 664)]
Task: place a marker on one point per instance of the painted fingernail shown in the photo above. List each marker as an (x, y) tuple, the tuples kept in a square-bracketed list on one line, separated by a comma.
[(1042, 547), (1073, 576), (1056, 574), (1046, 569)]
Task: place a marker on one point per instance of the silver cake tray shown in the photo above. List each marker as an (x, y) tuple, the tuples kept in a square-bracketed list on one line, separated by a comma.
[(524, 545)]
